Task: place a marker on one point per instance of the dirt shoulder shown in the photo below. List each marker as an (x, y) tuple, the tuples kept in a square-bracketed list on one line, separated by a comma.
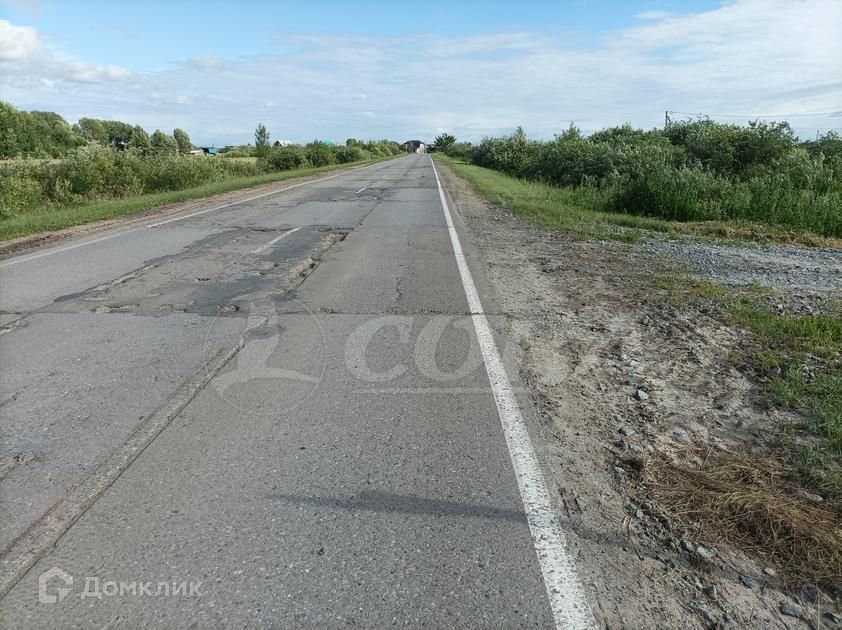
[(634, 395)]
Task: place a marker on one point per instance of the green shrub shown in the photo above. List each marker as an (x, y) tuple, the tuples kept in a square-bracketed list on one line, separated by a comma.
[(87, 169), (19, 190), (347, 154), (241, 151), (732, 149), (285, 159), (319, 154), (692, 171), (508, 154), (569, 158), (669, 192), (460, 150)]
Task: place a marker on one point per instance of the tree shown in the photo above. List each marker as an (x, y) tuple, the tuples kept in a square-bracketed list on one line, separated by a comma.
[(261, 140), (139, 138), (443, 141), (182, 140), (162, 143)]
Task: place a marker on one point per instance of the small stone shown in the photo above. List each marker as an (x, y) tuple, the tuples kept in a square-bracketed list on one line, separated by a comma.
[(619, 470), (706, 614), (635, 448), (790, 610), (641, 395), (687, 545), (815, 498), (626, 430), (770, 571), (679, 434), (710, 591), (810, 593), (747, 581), (704, 552)]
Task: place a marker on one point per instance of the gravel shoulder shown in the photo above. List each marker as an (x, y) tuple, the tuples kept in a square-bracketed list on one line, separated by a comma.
[(817, 270), (616, 379)]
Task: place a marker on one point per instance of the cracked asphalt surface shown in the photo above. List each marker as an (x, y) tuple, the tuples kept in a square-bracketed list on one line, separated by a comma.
[(296, 419)]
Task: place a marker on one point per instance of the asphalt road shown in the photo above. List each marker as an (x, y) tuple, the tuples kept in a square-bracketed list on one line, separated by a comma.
[(281, 407)]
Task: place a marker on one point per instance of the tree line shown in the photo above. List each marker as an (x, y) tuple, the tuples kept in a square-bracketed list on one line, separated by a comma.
[(37, 134)]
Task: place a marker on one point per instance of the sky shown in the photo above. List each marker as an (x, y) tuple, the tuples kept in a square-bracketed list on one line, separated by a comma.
[(332, 69)]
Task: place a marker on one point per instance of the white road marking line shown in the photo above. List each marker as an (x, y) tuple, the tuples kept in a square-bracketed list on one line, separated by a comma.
[(275, 240), (360, 190), (15, 261), (434, 390), (21, 259), (567, 600)]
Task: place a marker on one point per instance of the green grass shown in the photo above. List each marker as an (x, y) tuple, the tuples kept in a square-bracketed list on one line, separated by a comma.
[(52, 218), (798, 359), (580, 212)]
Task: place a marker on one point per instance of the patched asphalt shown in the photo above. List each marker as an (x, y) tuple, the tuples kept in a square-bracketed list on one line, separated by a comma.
[(346, 466)]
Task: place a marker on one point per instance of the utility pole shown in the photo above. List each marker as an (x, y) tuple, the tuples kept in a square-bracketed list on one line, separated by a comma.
[(666, 119)]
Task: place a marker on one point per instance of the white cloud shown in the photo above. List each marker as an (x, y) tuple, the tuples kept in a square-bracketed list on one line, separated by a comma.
[(24, 58), (17, 42), (207, 63), (84, 73), (746, 57)]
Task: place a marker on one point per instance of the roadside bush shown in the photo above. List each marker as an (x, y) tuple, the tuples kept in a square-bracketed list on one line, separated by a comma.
[(346, 154), (508, 154), (319, 154), (459, 150), (87, 169), (732, 149), (667, 192), (95, 171), (569, 158), (284, 159), (692, 171), (20, 189), (241, 151)]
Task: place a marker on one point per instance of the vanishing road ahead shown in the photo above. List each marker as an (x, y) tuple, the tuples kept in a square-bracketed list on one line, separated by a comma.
[(288, 411)]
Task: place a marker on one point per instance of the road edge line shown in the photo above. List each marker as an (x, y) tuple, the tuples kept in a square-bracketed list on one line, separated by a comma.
[(567, 600)]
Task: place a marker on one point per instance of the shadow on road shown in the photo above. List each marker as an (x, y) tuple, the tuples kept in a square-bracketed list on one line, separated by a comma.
[(377, 501)]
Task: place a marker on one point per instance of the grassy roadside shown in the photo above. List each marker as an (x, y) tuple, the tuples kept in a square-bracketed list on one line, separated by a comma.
[(760, 499), (796, 358), (578, 212), (51, 218)]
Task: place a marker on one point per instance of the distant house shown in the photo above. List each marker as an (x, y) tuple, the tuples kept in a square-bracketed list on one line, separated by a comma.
[(414, 146), (203, 151), (282, 143)]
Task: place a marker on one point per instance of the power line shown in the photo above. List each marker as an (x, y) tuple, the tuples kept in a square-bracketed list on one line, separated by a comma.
[(837, 113)]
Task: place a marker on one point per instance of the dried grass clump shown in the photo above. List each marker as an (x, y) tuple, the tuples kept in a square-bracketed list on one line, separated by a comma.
[(747, 503)]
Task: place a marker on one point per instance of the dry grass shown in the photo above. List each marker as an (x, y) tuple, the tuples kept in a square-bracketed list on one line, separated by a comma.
[(748, 504)]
